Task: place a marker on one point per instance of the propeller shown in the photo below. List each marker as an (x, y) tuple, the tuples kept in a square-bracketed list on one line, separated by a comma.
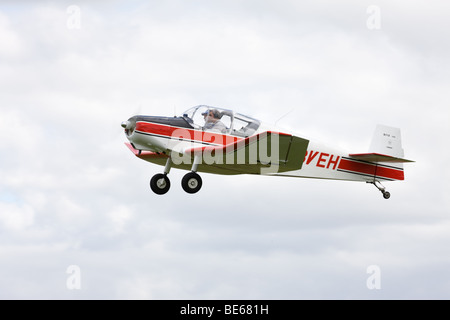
[(129, 124)]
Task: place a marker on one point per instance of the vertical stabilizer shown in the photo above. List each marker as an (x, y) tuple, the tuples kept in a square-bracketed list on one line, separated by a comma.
[(388, 141)]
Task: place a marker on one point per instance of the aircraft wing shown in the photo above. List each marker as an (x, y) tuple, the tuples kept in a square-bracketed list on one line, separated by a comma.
[(264, 153), (377, 157)]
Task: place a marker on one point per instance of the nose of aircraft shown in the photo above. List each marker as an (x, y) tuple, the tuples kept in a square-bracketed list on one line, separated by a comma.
[(129, 126)]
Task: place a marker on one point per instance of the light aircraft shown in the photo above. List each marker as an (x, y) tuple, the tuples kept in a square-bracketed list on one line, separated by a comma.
[(221, 141)]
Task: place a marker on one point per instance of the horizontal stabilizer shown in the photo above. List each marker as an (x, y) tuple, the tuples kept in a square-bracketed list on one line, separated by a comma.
[(377, 157)]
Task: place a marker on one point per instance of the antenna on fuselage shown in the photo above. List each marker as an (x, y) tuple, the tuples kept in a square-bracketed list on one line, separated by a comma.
[(283, 117)]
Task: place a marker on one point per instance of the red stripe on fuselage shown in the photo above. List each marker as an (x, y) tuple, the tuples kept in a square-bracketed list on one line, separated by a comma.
[(371, 169), (184, 133), (392, 173)]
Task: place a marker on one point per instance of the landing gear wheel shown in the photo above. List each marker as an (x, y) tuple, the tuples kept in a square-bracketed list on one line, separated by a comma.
[(191, 182), (380, 187), (160, 183)]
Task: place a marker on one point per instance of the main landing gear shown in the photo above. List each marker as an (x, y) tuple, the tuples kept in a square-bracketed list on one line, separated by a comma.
[(191, 182), (160, 183), (380, 187)]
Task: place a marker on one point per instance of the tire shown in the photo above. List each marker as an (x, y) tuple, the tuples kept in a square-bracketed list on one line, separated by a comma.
[(160, 183), (191, 182), (386, 195)]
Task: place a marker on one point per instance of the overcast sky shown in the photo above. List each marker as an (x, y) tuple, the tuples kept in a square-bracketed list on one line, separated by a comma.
[(79, 221)]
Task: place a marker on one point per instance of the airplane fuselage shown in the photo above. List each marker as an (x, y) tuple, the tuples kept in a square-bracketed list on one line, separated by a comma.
[(220, 141), (161, 135)]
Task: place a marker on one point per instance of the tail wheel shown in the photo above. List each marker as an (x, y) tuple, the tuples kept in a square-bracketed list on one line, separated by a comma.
[(191, 182), (160, 183), (380, 187)]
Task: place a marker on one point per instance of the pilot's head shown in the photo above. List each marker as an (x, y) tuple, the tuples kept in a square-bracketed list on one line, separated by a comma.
[(212, 114)]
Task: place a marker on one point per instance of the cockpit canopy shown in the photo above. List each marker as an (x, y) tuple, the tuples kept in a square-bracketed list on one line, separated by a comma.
[(236, 124)]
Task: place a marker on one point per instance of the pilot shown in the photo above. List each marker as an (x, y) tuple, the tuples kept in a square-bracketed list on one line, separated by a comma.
[(212, 121)]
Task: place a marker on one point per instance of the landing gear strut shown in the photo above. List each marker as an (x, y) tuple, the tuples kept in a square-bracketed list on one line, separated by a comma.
[(192, 182), (160, 183), (380, 187)]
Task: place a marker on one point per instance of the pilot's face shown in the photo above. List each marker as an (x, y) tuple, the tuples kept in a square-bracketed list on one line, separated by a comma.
[(209, 116)]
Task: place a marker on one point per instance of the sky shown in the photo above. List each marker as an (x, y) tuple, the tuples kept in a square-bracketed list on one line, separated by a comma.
[(79, 221)]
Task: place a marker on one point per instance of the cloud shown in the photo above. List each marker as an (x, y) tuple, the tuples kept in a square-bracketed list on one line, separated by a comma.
[(8, 36), (16, 217)]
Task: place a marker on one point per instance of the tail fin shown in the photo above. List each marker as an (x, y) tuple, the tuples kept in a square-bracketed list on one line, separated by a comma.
[(387, 152), (386, 147), (388, 141)]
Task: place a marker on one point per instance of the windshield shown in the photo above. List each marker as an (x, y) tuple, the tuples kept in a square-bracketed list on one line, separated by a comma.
[(225, 121), (244, 126)]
